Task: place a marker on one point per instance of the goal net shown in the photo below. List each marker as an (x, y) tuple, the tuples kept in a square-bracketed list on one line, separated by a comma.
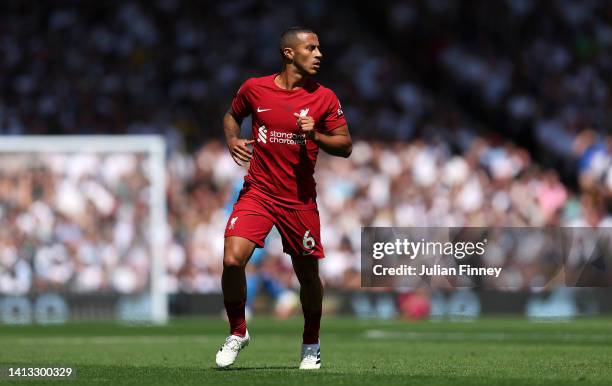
[(82, 228)]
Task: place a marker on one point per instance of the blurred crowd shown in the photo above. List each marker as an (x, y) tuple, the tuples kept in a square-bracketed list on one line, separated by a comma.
[(410, 184), (161, 66), (79, 222), (537, 72), (464, 113), (73, 222)]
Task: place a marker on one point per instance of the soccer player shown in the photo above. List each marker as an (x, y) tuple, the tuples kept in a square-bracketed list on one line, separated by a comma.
[(293, 117)]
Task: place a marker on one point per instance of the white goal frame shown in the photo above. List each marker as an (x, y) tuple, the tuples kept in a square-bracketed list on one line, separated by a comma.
[(155, 147)]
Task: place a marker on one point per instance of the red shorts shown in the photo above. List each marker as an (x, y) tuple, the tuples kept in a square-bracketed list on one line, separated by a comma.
[(254, 216)]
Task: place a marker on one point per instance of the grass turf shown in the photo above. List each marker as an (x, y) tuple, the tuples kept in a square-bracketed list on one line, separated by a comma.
[(354, 352)]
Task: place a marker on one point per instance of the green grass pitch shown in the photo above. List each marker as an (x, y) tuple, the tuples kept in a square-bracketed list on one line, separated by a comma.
[(354, 352)]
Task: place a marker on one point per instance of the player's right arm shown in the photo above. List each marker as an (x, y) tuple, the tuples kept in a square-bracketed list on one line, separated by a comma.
[(238, 147), (240, 108)]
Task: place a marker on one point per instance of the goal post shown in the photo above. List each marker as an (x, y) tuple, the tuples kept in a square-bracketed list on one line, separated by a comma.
[(147, 153)]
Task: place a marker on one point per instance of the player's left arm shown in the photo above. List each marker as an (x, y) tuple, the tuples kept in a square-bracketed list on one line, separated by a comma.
[(336, 142)]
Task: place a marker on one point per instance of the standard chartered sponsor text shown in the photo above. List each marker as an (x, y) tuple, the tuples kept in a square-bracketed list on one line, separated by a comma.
[(287, 138)]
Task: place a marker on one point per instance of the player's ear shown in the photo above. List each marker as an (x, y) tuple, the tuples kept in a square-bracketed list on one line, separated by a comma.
[(288, 54)]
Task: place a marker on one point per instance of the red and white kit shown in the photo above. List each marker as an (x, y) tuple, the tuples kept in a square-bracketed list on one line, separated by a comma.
[(279, 188)]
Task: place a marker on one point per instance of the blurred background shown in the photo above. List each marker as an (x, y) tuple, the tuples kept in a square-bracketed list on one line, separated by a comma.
[(463, 113)]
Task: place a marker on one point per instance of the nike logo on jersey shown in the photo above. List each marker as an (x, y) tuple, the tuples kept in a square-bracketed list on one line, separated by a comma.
[(304, 112), (260, 110)]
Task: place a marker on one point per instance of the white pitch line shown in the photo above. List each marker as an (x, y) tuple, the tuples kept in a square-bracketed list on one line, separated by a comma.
[(485, 336)]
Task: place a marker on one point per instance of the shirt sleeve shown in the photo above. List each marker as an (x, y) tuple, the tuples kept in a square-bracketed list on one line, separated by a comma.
[(334, 116), (240, 104)]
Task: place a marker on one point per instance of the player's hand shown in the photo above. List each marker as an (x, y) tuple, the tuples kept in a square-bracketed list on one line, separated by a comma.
[(239, 149), (306, 124)]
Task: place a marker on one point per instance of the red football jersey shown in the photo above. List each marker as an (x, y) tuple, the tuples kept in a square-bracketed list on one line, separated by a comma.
[(283, 161)]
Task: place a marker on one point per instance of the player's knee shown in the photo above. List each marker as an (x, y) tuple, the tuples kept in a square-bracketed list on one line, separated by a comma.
[(233, 261), (235, 255), (234, 258)]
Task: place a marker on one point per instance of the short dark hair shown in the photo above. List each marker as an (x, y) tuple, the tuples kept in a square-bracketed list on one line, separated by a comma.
[(290, 34)]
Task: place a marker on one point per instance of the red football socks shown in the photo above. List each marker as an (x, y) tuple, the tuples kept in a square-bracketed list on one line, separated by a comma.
[(235, 314), (312, 324)]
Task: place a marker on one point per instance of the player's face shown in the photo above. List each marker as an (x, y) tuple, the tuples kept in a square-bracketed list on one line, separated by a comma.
[(307, 53)]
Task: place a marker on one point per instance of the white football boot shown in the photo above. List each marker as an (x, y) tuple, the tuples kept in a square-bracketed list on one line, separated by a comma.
[(227, 354), (311, 356)]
